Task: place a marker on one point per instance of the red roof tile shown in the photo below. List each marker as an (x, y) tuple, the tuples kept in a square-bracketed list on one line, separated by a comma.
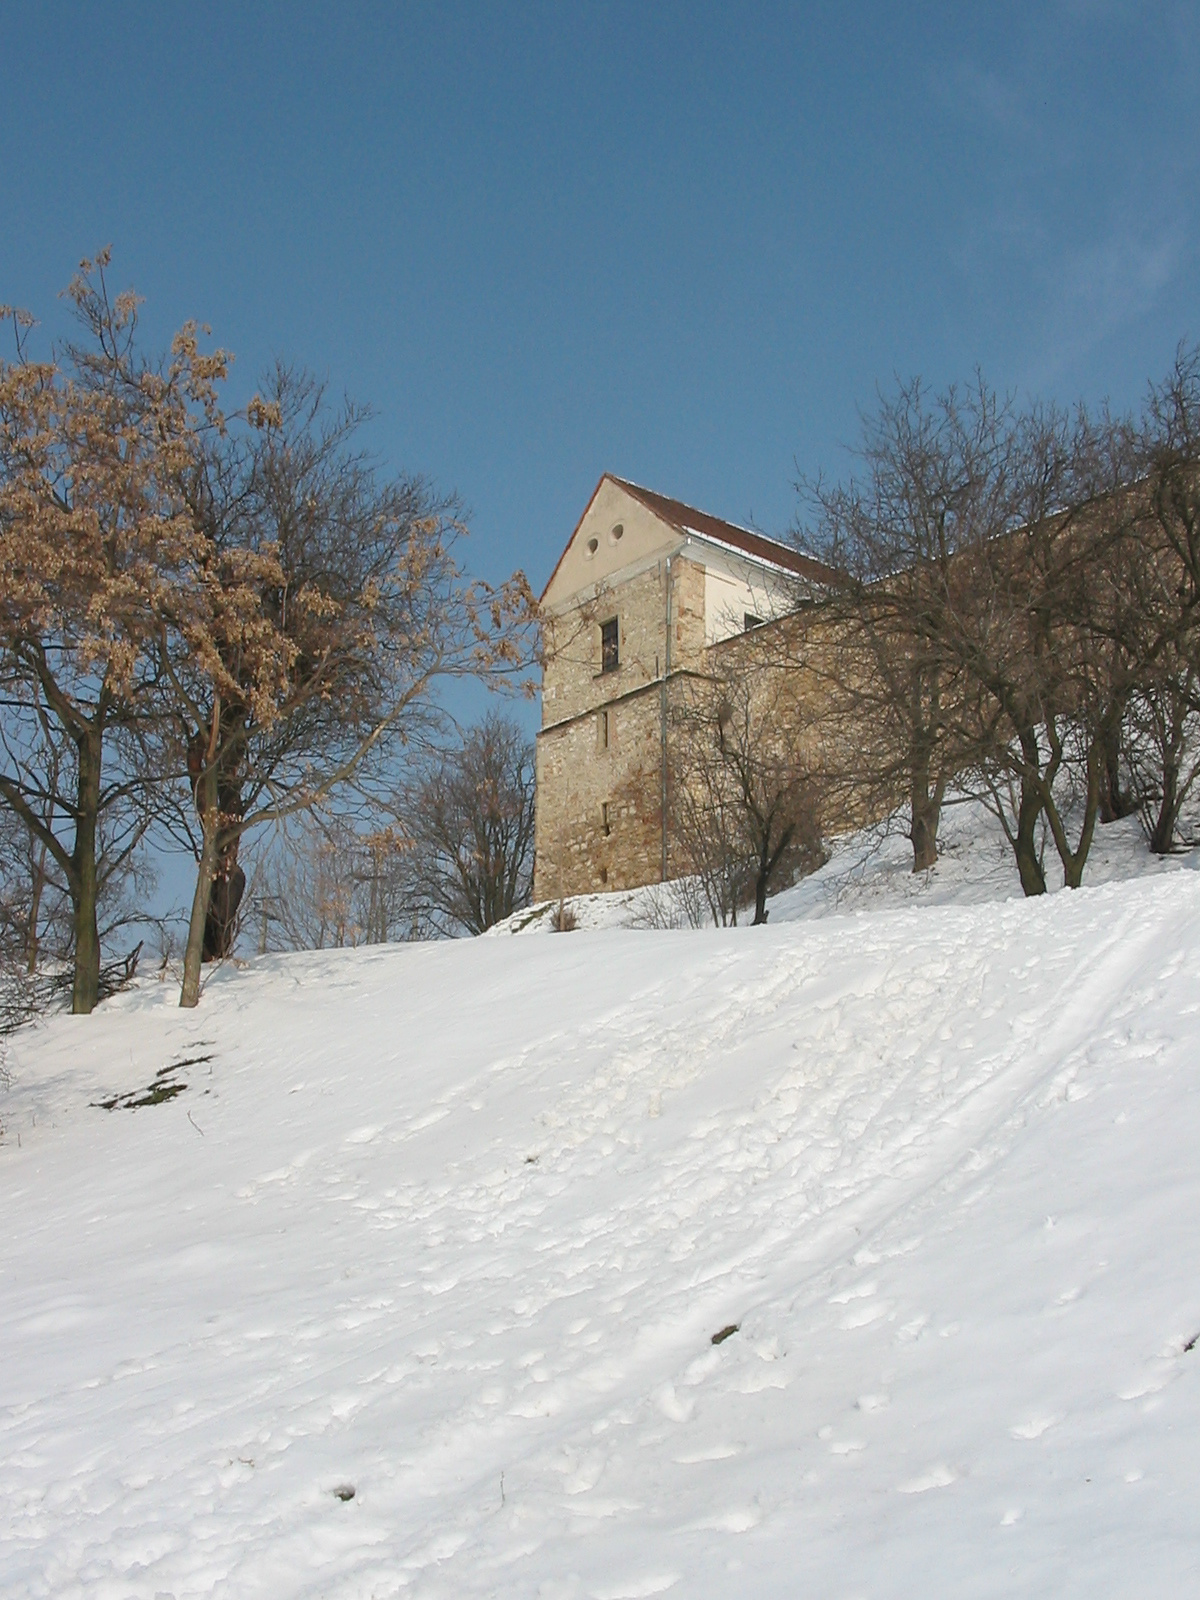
[(685, 518)]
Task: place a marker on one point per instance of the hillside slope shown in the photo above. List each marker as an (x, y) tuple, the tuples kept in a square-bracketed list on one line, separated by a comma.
[(455, 1225)]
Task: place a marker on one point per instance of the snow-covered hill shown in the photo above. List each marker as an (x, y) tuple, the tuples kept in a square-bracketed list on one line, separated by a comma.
[(454, 1227), (872, 871)]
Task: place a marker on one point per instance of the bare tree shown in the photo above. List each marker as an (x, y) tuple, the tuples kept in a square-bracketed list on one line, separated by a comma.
[(470, 820), (983, 625), (329, 884), (934, 476), (1039, 634), (1162, 743), (745, 800), (35, 910)]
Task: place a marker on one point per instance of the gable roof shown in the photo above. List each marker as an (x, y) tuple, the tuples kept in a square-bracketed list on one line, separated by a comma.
[(688, 519), (685, 519), (575, 530)]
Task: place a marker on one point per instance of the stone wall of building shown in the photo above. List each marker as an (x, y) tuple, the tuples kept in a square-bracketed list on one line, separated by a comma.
[(600, 750), (599, 786), (574, 680), (600, 769)]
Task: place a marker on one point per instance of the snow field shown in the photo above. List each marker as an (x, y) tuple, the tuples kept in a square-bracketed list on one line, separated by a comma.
[(454, 1225)]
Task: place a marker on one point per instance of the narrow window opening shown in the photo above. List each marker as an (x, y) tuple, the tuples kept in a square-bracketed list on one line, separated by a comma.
[(609, 656), (603, 874), (604, 822), (604, 730)]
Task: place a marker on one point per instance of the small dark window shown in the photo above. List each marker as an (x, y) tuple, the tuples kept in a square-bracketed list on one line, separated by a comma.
[(604, 819), (751, 621), (604, 730), (609, 659), (603, 874)]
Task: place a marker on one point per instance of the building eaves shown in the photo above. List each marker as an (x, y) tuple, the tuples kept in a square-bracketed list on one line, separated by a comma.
[(689, 519)]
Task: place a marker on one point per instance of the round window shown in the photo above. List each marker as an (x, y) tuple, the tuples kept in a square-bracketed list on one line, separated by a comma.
[(592, 546), (617, 533)]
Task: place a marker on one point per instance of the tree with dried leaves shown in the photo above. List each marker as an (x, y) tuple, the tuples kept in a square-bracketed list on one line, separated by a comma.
[(334, 608), (240, 598), (93, 536)]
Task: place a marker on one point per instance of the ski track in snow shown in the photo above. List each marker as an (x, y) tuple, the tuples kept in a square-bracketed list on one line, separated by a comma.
[(454, 1226)]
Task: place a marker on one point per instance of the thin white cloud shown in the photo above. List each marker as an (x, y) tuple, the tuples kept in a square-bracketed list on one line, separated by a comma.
[(1094, 291)]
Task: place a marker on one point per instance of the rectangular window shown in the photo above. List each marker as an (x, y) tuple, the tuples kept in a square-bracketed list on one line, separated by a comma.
[(609, 659), (604, 822), (604, 730)]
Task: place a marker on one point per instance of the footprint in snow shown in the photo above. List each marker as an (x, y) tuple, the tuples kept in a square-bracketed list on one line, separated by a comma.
[(938, 1477), (861, 1291), (362, 1135), (737, 1519), (677, 1408), (1035, 1427), (636, 1588), (863, 1315)]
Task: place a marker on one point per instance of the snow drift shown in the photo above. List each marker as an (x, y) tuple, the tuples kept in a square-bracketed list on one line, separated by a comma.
[(398, 1271)]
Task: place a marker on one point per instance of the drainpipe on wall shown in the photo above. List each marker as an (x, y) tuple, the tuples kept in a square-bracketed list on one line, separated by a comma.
[(663, 720)]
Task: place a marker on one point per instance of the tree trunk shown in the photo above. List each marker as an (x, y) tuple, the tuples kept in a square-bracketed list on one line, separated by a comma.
[(194, 954), (1162, 835), (1033, 879), (1073, 860), (225, 897), (229, 881), (1114, 803), (202, 755), (768, 860), (760, 900), (84, 879), (924, 842), (925, 811)]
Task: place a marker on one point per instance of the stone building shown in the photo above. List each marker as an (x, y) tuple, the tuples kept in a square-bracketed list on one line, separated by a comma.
[(647, 592)]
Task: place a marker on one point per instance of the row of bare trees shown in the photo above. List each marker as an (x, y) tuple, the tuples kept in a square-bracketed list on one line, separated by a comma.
[(1011, 612), (451, 852), (209, 620), (1016, 614)]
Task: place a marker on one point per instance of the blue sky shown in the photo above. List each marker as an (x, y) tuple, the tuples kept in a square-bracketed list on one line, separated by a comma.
[(680, 243)]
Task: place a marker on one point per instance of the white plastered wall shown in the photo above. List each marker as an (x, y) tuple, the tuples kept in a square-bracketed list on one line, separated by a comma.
[(733, 590), (597, 553)]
